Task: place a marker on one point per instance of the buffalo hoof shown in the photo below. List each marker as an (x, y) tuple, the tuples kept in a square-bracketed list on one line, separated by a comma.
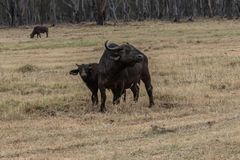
[(103, 110), (135, 100), (151, 104), (94, 104)]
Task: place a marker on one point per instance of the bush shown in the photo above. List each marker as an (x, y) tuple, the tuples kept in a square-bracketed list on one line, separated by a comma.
[(27, 68)]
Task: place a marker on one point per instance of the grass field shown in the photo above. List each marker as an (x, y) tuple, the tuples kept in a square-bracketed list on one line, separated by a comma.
[(46, 114)]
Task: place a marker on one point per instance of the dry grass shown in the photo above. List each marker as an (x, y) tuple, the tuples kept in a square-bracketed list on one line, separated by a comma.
[(47, 114)]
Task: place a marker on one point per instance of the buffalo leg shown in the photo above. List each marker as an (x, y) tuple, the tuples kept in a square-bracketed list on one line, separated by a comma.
[(149, 89), (124, 95), (114, 96), (117, 97), (46, 34), (94, 98), (147, 81), (103, 99), (118, 93), (135, 91)]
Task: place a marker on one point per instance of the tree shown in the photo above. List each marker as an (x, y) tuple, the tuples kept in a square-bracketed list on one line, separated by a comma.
[(113, 7), (101, 11), (23, 12)]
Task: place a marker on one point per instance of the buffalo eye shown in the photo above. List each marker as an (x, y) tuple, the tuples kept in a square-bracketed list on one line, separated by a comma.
[(127, 50), (90, 68), (122, 51), (115, 58)]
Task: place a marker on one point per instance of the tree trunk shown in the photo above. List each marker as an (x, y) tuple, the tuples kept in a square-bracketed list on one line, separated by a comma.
[(126, 11), (101, 11), (175, 11), (12, 11), (113, 8), (228, 9), (83, 11), (53, 12)]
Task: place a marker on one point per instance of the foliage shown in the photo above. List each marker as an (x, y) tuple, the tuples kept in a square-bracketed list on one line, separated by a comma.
[(24, 12)]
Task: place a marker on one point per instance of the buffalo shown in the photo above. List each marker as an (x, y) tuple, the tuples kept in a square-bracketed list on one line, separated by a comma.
[(122, 67), (89, 74), (38, 30)]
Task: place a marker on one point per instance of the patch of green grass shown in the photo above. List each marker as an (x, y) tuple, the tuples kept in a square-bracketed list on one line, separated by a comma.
[(9, 109), (54, 106), (45, 106), (26, 89), (156, 130), (234, 62), (219, 86), (7, 105), (58, 86), (63, 44), (225, 34), (50, 44), (171, 98), (225, 86), (4, 88)]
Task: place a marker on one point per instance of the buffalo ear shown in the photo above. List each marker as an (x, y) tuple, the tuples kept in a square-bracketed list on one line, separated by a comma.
[(74, 72), (115, 58), (78, 65)]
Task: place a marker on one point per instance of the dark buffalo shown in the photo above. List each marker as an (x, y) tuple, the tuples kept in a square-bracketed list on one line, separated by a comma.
[(38, 30), (121, 67), (89, 74)]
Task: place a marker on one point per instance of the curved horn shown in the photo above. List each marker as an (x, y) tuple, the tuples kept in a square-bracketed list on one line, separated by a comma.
[(117, 48), (78, 65)]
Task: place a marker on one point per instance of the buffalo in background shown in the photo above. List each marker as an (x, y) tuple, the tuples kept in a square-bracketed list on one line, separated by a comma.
[(38, 30)]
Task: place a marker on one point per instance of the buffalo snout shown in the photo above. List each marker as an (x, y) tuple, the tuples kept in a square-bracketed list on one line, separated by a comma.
[(139, 58), (83, 74)]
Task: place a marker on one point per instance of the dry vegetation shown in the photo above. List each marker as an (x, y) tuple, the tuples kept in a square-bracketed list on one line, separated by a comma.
[(47, 114)]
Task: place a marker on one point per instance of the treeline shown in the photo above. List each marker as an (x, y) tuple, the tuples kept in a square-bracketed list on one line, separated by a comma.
[(24, 12)]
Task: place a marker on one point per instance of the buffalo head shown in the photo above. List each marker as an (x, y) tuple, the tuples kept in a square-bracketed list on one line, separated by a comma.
[(31, 35), (84, 70), (125, 53)]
